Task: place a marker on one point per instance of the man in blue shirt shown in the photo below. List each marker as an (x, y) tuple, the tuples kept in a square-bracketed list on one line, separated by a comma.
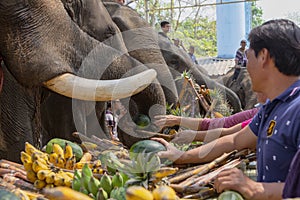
[(274, 68)]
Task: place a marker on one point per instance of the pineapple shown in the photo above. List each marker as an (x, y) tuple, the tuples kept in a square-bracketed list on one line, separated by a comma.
[(140, 169), (222, 106)]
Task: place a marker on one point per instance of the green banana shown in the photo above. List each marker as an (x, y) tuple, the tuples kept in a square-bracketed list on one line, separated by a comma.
[(83, 190), (77, 174), (101, 194), (86, 170), (85, 179), (105, 183), (76, 183), (117, 180), (93, 186)]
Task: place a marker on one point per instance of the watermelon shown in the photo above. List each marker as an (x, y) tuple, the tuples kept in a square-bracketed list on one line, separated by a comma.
[(142, 121), (146, 146), (230, 195), (7, 195)]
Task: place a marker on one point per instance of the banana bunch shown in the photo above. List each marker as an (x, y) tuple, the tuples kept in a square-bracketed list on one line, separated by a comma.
[(163, 192), (41, 172), (86, 183), (95, 165), (62, 158)]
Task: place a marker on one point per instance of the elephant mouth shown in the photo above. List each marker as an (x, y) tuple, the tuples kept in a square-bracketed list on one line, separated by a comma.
[(76, 87)]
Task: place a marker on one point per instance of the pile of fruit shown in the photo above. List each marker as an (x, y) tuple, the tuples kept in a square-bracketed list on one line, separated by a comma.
[(64, 171)]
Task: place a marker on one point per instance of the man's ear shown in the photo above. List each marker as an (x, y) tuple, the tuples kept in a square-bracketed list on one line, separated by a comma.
[(264, 56)]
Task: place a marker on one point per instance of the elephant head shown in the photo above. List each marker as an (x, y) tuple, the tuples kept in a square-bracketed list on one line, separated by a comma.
[(43, 48), (178, 61)]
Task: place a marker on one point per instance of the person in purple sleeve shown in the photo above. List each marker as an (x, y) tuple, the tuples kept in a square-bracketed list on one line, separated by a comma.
[(274, 68)]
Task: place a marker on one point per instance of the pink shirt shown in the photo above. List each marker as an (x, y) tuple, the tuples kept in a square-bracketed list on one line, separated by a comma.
[(230, 121)]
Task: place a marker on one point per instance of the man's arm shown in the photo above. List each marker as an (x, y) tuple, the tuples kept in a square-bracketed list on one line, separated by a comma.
[(243, 139)]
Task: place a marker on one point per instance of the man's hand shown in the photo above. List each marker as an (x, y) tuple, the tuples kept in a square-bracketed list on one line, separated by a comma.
[(172, 153), (234, 179), (184, 137)]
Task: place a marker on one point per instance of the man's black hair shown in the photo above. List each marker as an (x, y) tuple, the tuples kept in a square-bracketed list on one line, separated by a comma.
[(281, 37), (163, 23)]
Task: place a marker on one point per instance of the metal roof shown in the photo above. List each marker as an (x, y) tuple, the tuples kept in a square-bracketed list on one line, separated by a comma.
[(216, 66)]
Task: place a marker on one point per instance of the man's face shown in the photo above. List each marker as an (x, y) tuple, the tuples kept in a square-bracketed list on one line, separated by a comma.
[(254, 68), (166, 28)]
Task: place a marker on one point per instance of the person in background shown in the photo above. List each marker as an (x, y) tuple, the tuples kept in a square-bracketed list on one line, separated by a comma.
[(178, 43), (240, 60), (274, 68), (165, 27), (114, 112), (191, 54)]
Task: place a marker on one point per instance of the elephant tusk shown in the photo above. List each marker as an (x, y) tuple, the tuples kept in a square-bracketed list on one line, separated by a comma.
[(76, 87)]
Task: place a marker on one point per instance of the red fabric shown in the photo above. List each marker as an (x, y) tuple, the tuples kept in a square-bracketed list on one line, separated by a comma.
[(245, 123)]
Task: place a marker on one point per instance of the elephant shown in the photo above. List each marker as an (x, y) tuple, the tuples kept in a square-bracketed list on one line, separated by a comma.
[(178, 60), (242, 87), (46, 53)]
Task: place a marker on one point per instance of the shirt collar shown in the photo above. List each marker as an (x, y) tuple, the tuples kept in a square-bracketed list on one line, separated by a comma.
[(289, 92)]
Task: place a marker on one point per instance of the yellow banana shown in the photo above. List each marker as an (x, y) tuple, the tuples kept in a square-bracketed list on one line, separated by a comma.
[(68, 153), (42, 157), (70, 163), (30, 149), (49, 186), (39, 184), (63, 193), (164, 192), (31, 176), (70, 174), (57, 149), (53, 157), (25, 156), (60, 161), (27, 165), (67, 180), (50, 178), (164, 172), (86, 157), (42, 174), (38, 165), (59, 180), (138, 193), (98, 170)]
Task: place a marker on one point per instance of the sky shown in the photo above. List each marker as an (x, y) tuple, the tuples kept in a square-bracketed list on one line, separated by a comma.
[(278, 8)]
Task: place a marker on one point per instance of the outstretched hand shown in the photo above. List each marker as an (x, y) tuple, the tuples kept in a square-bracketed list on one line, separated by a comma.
[(166, 120), (172, 153), (184, 137)]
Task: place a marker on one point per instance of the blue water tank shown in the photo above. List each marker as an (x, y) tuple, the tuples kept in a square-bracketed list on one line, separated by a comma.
[(230, 27)]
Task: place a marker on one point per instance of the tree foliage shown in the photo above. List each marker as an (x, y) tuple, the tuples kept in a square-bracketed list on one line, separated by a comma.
[(189, 21)]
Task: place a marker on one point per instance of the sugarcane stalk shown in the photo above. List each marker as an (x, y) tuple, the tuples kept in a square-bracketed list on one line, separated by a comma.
[(19, 183), (4, 165), (204, 180), (202, 194), (200, 97), (206, 169), (17, 165), (202, 169), (185, 82)]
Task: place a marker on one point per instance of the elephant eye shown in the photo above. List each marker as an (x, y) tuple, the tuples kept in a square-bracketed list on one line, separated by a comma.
[(110, 31)]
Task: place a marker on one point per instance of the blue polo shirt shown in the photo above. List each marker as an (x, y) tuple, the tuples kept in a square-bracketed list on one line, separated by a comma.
[(277, 126)]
